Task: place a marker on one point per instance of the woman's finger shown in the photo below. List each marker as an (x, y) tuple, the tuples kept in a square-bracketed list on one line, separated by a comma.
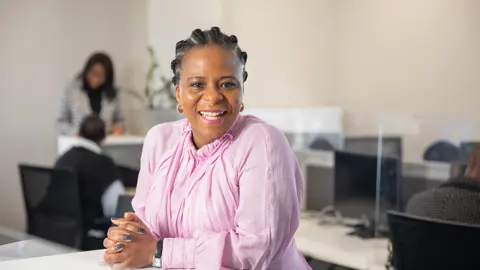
[(130, 216), (118, 220), (131, 225), (107, 242), (118, 234), (116, 248)]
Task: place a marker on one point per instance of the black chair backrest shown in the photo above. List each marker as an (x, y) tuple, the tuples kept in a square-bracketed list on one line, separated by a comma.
[(124, 205), (442, 151), (422, 243), (52, 204), (128, 176)]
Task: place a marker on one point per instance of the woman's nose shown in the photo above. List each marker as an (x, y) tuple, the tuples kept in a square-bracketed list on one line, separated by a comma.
[(212, 95)]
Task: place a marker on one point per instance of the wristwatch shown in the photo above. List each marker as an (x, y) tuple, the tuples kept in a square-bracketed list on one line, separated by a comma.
[(157, 258)]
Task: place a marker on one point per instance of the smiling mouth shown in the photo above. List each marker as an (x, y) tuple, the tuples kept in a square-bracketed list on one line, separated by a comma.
[(212, 116)]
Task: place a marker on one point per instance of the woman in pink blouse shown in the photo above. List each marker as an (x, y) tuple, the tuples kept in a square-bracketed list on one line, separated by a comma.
[(217, 190)]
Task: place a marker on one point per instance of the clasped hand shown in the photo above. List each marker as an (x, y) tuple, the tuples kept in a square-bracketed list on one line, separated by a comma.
[(130, 245)]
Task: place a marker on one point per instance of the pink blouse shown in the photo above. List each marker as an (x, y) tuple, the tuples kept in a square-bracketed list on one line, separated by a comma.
[(232, 204)]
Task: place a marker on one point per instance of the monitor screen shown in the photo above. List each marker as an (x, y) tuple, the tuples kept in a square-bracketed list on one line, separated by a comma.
[(356, 185), (390, 146)]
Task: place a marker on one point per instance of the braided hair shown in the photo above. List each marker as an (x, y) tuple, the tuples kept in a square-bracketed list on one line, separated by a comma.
[(199, 37)]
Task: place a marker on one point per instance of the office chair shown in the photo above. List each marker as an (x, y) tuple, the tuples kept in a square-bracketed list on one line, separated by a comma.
[(128, 176), (124, 205), (422, 243), (52, 204), (442, 151)]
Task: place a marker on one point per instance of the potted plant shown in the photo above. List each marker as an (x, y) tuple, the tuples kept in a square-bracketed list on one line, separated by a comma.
[(159, 94), (158, 97)]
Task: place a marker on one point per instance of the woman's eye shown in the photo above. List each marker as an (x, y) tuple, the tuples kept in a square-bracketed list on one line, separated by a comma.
[(229, 85), (197, 85)]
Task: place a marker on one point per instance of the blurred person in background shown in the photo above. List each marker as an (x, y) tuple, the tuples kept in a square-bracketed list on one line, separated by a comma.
[(457, 199), (93, 91), (98, 176), (217, 190)]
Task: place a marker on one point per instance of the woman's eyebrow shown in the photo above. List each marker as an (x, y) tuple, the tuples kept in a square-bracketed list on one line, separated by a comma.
[(195, 77), (228, 77), (221, 78)]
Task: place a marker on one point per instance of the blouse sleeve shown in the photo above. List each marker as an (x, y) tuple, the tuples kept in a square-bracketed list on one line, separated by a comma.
[(270, 186), (64, 115), (119, 113), (144, 179)]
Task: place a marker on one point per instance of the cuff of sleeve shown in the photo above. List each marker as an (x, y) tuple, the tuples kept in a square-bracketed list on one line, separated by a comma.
[(178, 253)]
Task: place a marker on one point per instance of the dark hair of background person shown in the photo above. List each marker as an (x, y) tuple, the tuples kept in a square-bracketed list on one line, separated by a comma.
[(109, 84), (93, 128), (200, 38)]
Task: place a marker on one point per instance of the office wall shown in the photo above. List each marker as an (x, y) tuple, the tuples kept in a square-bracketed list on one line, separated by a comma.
[(407, 68), (416, 63), (172, 21), (290, 46), (44, 43)]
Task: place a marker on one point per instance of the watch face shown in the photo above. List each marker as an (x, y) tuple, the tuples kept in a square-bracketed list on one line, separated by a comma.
[(157, 262)]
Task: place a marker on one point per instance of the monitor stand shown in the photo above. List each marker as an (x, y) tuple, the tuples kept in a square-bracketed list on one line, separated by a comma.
[(365, 229), (328, 215)]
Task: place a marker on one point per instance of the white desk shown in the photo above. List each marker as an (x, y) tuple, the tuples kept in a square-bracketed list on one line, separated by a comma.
[(326, 243), (330, 243), (91, 260), (30, 249)]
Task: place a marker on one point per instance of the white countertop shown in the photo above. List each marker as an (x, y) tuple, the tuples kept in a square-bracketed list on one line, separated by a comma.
[(64, 143), (332, 244), (31, 248), (328, 243), (91, 260)]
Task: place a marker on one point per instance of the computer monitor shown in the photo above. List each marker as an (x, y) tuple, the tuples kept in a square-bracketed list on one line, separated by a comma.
[(356, 186), (391, 146)]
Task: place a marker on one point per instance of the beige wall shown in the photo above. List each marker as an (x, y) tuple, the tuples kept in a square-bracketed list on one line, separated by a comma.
[(44, 43), (411, 67), (172, 21), (290, 50), (418, 59)]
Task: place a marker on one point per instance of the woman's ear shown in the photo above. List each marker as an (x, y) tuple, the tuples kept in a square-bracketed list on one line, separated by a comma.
[(177, 93)]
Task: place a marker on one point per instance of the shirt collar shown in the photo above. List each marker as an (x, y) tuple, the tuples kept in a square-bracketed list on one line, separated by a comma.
[(462, 181), (87, 144)]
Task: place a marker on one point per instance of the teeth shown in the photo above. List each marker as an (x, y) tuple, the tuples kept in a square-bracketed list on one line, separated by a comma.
[(213, 114), (211, 117)]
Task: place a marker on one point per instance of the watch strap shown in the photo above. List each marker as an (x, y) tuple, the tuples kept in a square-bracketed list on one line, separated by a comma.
[(158, 253), (157, 257)]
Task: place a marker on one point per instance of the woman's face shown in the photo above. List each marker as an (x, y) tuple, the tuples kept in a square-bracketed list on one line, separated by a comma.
[(96, 76), (210, 91)]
